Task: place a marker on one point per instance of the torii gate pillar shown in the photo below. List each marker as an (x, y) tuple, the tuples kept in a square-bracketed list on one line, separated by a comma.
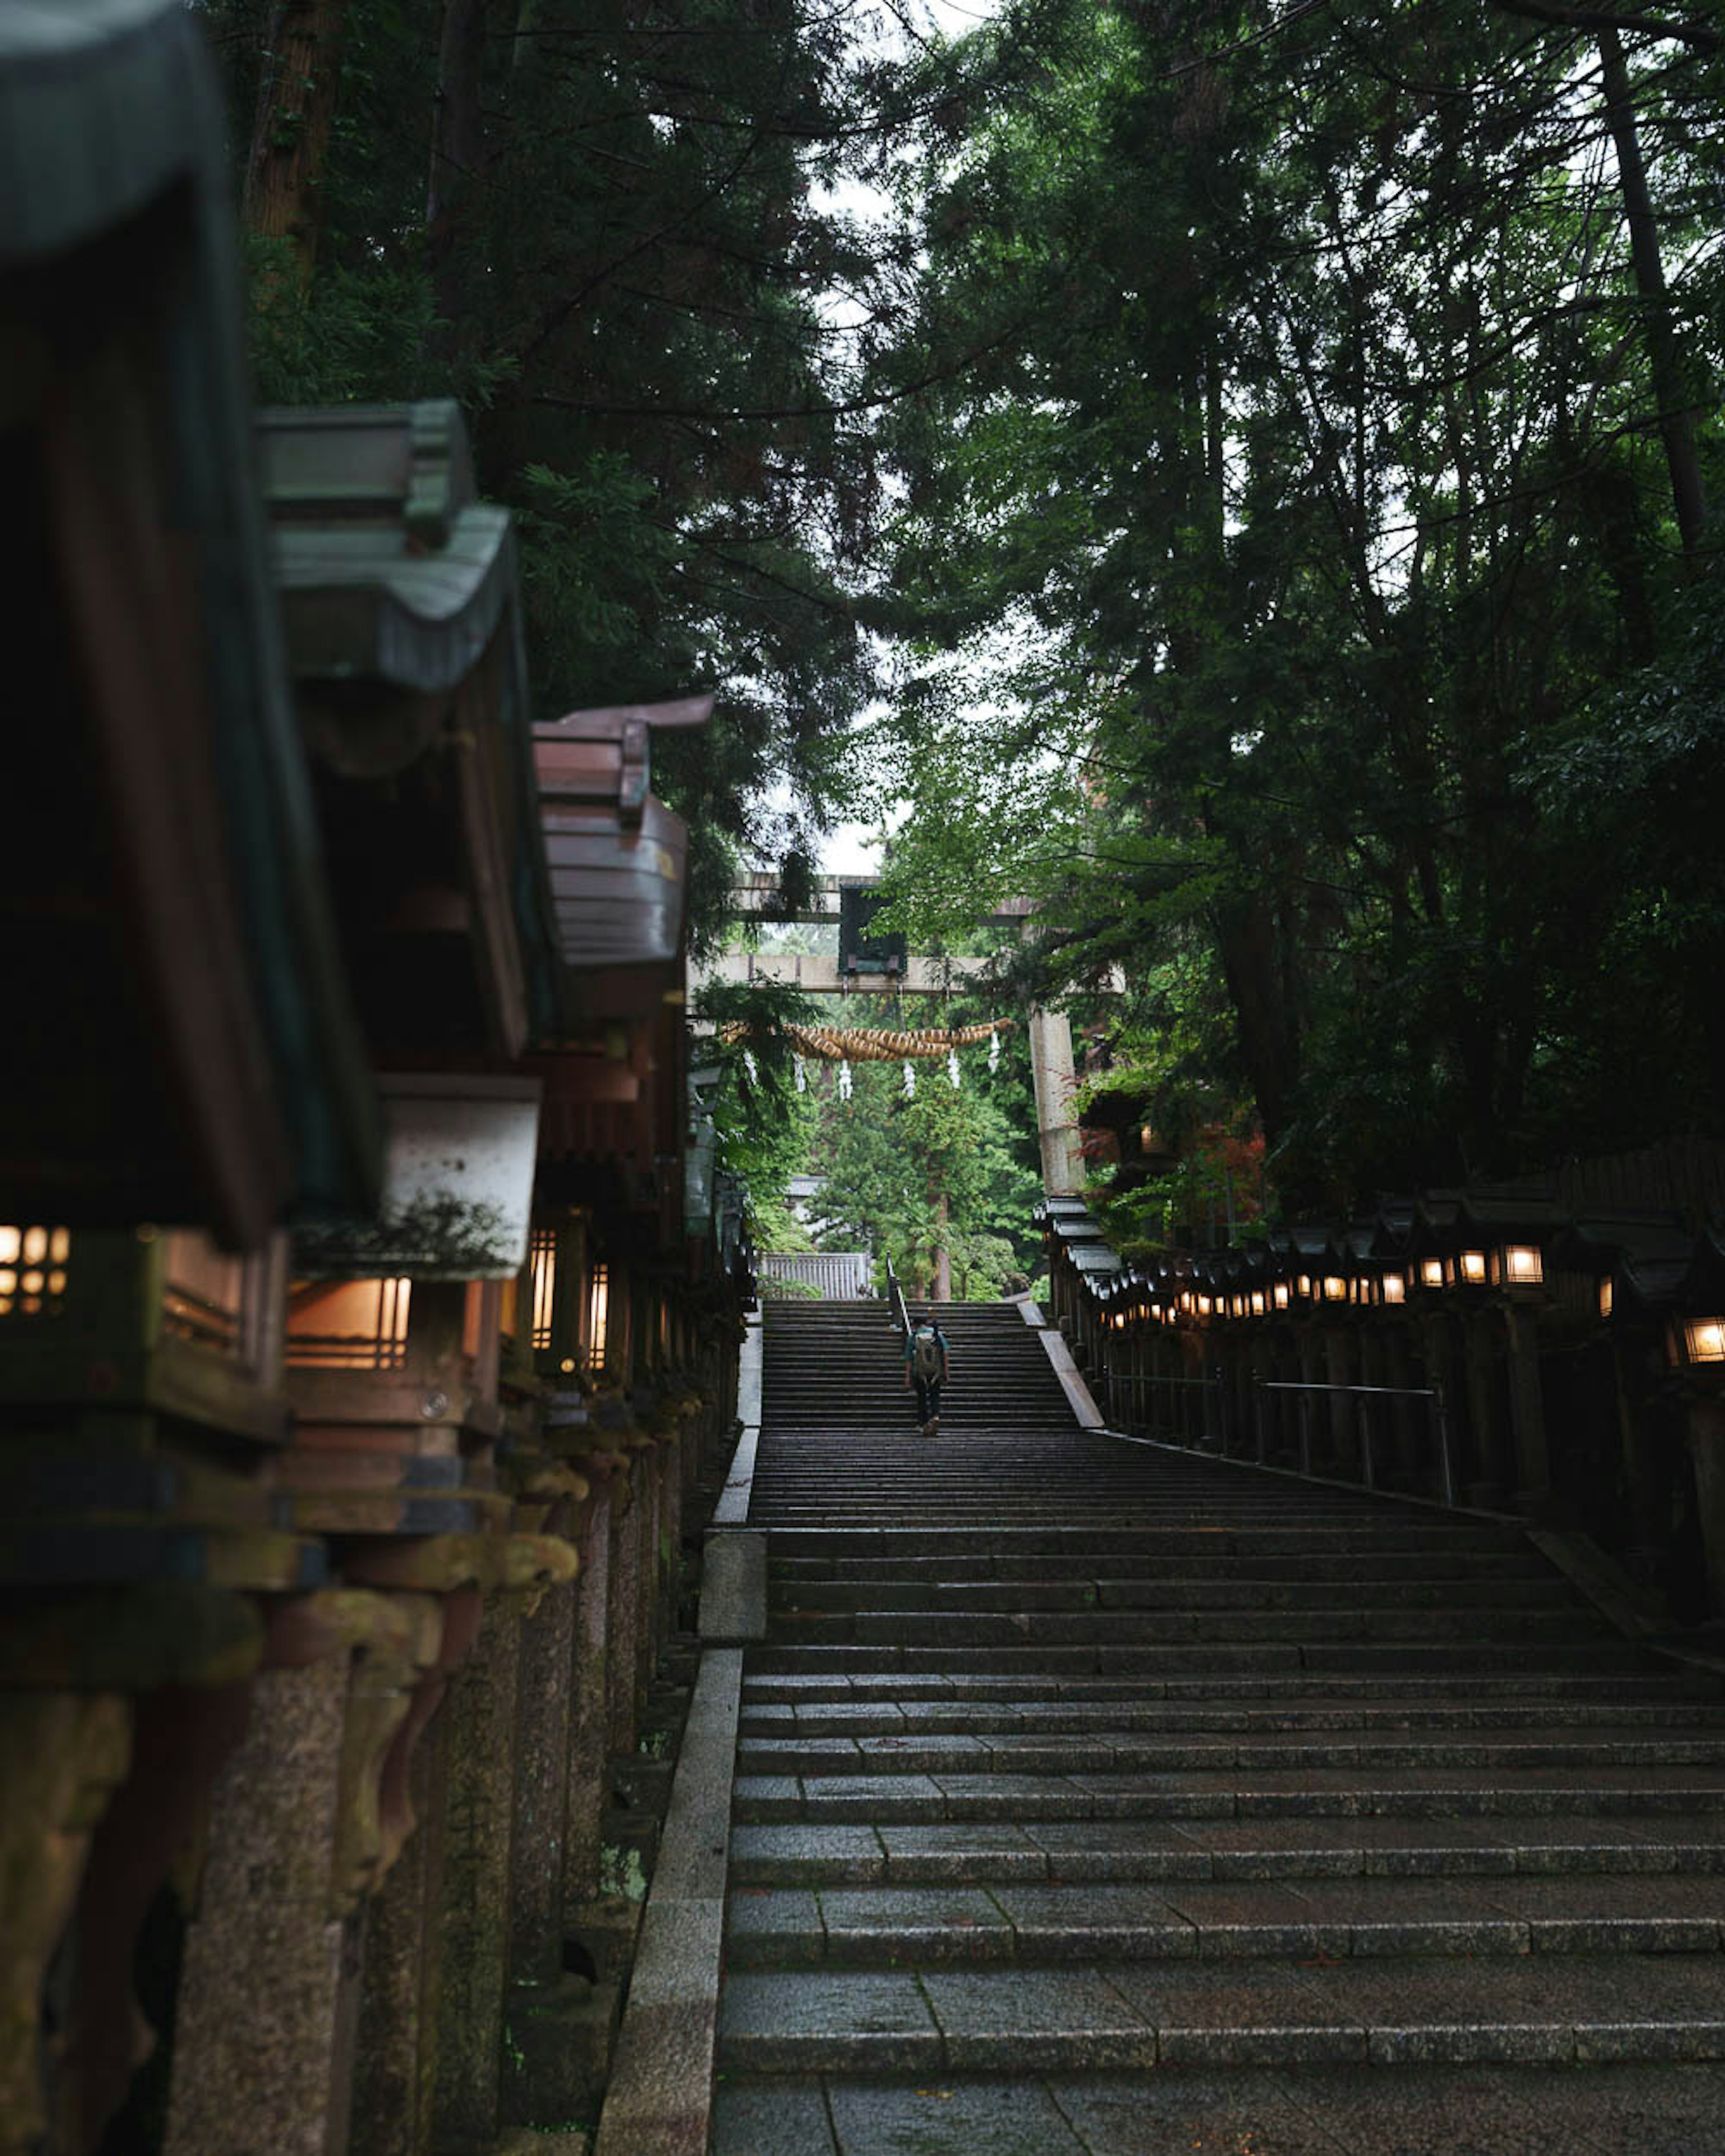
[(1054, 1078)]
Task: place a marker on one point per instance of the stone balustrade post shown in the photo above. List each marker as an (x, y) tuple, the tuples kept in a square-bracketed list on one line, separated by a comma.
[(268, 1991)]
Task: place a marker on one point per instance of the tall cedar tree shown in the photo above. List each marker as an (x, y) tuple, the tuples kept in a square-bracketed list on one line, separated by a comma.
[(593, 222), (1286, 583)]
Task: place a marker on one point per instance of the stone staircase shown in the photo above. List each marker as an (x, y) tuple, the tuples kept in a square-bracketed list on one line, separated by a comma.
[(1094, 1797)]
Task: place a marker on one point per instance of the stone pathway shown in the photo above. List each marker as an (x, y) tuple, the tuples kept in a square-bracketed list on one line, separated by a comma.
[(1092, 1796)]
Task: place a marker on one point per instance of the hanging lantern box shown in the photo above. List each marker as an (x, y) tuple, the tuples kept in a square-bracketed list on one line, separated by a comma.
[(458, 1185), (393, 1336)]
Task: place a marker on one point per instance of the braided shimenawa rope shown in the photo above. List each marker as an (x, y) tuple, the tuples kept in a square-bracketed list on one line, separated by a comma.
[(853, 1044)]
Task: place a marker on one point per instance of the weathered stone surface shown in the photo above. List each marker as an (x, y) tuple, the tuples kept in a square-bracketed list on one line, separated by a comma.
[(479, 1802), (260, 2034), (876, 2020), (395, 2056), (1005, 2019), (558, 2039), (62, 1752), (541, 1813), (733, 1586), (588, 1724), (981, 2118)]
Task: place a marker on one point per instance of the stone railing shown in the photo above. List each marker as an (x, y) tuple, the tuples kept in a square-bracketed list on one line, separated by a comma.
[(1488, 1351)]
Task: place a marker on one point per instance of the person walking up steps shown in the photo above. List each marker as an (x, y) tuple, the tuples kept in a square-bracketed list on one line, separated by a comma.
[(925, 1367)]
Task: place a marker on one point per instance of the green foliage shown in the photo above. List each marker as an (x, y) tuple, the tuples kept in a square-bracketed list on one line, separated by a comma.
[(617, 268), (765, 1125), (1290, 599), (946, 1170)]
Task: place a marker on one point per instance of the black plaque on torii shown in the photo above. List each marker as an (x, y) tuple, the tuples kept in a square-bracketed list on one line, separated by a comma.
[(858, 951)]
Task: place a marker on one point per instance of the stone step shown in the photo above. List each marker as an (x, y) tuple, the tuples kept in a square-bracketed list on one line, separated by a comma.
[(1384, 1793), (1374, 1718), (881, 1597), (940, 1629), (1395, 1661), (955, 1923), (1525, 1681), (1189, 1565), (1126, 1752), (1375, 1535), (1065, 1753), (1371, 2010), (980, 1852), (1627, 2109)]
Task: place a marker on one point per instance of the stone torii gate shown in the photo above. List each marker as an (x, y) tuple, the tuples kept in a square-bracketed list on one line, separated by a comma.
[(758, 897)]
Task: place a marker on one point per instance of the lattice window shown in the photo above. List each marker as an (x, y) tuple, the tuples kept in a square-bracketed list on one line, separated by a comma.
[(599, 1307), (348, 1325), (542, 1275), (34, 1263), (203, 1295)]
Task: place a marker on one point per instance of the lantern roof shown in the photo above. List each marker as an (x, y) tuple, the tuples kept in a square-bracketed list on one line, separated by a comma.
[(227, 1082), (617, 857), (401, 596)]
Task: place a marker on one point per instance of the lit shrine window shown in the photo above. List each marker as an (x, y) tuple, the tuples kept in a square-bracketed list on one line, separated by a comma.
[(598, 1303), (203, 1293), (348, 1325), (34, 1263), (542, 1280)]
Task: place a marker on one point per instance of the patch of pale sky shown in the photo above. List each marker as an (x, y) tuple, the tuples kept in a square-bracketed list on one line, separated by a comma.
[(855, 849)]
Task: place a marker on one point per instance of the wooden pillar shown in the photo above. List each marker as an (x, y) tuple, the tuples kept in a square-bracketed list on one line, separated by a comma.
[(1492, 1457), (1706, 1436), (1527, 1407)]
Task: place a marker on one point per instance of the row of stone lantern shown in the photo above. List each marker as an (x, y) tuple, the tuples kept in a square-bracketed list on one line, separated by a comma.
[(1489, 1346), (362, 1336)]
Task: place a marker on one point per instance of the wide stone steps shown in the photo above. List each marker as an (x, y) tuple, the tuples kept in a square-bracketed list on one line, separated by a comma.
[(1088, 1592), (1098, 1920), (1383, 1793), (1387, 1663), (763, 1715), (1100, 1799), (1487, 2110), (1286, 1690), (1103, 1752), (1130, 1626), (1054, 1569), (1381, 2010), (1069, 1851)]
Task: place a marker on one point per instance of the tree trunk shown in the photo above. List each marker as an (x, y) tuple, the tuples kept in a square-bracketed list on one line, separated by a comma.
[(1264, 1024), (943, 1255), (290, 134), (457, 153), (1677, 418)]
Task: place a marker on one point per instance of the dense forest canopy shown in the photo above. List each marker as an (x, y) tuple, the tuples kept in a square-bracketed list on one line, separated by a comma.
[(1265, 455), (594, 221), (1309, 594)]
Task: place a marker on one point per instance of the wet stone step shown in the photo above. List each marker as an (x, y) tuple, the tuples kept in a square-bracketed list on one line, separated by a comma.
[(1364, 1531), (905, 1596), (1177, 1918), (1395, 1662), (1608, 2110), (1405, 1793), (762, 1717), (935, 1628), (1400, 1568), (1644, 1683), (1383, 2011), (1124, 1752), (980, 1852)]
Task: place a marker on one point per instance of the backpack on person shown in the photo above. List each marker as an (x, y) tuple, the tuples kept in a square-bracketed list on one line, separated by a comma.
[(926, 1354)]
